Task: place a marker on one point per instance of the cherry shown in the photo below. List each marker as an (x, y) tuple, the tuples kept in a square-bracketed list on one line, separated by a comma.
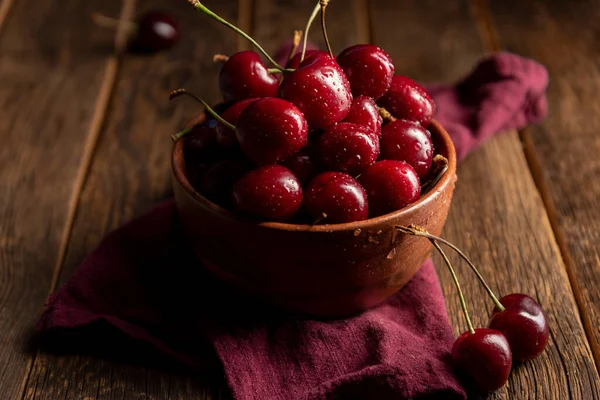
[(271, 192), (524, 324), (244, 75), (201, 141), (294, 62), (303, 164), (155, 31), (485, 356), (218, 180), (271, 130), (335, 197), (348, 147), (390, 185), (368, 68), (406, 99), (320, 89), (364, 112), (225, 135), (408, 141)]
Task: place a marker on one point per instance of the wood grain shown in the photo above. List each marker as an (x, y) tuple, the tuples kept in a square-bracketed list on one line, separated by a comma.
[(567, 142), (50, 78), (497, 215), (129, 174)]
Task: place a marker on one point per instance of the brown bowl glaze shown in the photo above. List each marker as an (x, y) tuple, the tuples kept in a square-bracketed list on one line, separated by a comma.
[(321, 270)]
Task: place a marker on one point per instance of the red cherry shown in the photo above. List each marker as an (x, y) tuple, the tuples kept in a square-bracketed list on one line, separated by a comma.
[(369, 69), (320, 89), (408, 141), (271, 130), (390, 185), (156, 31), (303, 164), (336, 198), (294, 62), (347, 147), (218, 180), (244, 75), (484, 356), (364, 112), (225, 135), (524, 324), (271, 192), (201, 141), (406, 99)]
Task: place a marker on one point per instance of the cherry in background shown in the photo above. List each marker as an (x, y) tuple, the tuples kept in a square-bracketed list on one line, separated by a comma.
[(151, 32), (368, 68), (271, 130), (244, 75), (408, 141), (335, 197), (320, 89), (406, 99), (390, 185), (271, 192), (364, 112), (347, 147)]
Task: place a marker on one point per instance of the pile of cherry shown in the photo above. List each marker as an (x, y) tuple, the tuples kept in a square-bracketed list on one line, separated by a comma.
[(341, 139), (311, 136)]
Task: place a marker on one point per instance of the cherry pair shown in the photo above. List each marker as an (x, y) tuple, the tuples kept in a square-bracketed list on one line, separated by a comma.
[(517, 330)]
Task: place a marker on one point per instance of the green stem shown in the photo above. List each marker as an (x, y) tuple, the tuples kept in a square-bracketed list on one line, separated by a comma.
[(308, 24), (183, 92), (455, 279), (324, 4), (416, 231), (181, 134), (199, 6)]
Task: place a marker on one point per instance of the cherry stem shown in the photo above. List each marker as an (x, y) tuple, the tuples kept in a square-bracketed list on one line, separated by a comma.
[(113, 23), (463, 304), (324, 4), (175, 137), (220, 58), (418, 231), (385, 114), (183, 92), (308, 24), (438, 159), (295, 43), (278, 71), (201, 7)]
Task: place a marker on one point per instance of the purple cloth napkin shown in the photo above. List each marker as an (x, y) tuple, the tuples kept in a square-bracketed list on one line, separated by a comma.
[(144, 283)]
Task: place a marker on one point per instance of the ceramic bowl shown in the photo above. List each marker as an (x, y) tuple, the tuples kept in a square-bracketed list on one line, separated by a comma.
[(321, 270)]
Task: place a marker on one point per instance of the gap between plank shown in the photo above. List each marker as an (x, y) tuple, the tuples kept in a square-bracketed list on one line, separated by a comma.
[(95, 129), (490, 37), (5, 8)]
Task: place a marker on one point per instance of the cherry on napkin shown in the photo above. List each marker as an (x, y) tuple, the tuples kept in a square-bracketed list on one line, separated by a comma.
[(143, 286)]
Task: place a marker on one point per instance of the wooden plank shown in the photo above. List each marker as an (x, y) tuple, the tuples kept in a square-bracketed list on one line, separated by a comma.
[(50, 79), (497, 215), (129, 174), (563, 36)]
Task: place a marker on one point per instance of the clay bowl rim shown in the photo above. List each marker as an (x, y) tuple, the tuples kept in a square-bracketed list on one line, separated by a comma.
[(178, 159)]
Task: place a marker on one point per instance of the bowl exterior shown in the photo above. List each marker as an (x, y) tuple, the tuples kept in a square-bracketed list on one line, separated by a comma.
[(320, 270)]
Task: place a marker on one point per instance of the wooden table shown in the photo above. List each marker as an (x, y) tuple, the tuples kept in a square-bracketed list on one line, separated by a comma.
[(85, 147)]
